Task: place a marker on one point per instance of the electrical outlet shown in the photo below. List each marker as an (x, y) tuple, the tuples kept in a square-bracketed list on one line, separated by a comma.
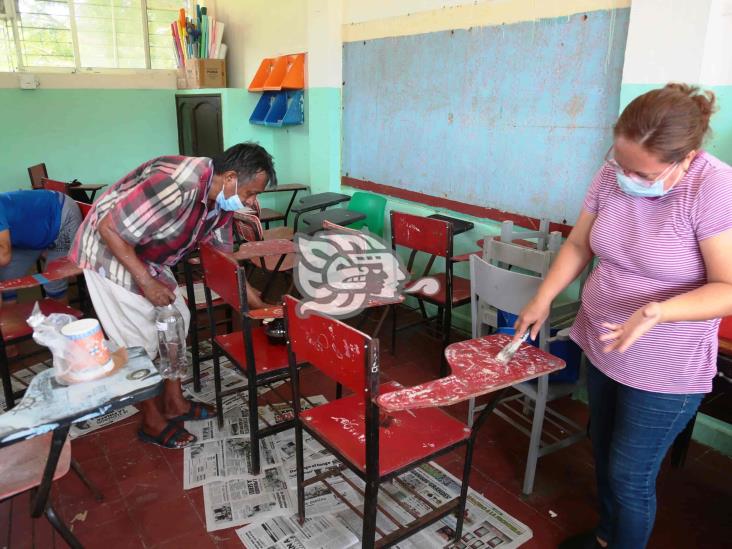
[(29, 81)]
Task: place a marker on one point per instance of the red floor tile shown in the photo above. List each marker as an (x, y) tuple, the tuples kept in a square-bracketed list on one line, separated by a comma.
[(159, 520), (120, 533), (146, 506)]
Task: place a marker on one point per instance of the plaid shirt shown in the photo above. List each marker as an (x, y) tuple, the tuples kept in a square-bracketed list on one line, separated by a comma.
[(161, 209)]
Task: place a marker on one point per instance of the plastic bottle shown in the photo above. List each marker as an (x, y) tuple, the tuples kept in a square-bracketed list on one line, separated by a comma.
[(171, 342)]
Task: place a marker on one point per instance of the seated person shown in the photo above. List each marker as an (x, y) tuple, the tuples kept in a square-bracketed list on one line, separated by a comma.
[(35, 223), (142, 226)]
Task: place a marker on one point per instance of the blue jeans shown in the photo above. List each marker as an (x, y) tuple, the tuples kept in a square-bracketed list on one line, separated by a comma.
[(631, 431)]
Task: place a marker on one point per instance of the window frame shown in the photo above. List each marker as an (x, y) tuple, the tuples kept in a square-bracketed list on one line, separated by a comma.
[(11, 16)]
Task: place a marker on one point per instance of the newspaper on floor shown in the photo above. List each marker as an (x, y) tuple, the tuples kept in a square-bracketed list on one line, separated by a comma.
[(286, 533), (282, 411), (20, 380), (230, 379), (82, 428), (485, 525), (242, 501), (226, 459)]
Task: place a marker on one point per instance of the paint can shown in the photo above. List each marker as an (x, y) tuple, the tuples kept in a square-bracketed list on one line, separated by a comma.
[(86, 334)]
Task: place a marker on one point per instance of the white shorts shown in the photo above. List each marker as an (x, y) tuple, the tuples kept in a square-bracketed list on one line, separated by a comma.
[(128, 318)]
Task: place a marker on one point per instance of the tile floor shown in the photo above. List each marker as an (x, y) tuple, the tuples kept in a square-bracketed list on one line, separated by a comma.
[(146, 507)]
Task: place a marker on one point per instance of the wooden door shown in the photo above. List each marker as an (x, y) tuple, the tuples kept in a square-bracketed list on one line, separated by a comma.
[(200, 131)]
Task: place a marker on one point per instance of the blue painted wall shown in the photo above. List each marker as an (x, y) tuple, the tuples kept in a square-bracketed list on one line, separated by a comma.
[(515, 117)]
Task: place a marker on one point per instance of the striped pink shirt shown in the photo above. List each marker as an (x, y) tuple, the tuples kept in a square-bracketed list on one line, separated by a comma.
[(648, 250)]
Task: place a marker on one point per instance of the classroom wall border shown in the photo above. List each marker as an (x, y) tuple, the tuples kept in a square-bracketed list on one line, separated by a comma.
[(482, 212), (482, 14)]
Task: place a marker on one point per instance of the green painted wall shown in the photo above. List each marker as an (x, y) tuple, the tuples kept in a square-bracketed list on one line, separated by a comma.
[(720, 142), (94, 135)]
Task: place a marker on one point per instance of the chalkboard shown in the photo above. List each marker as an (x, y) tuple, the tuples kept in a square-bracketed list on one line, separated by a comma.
[(514, 117)]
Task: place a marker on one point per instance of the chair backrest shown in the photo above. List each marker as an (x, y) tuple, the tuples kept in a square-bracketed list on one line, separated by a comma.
[(506, 290), (36, 173), (432, 236), (373, 206), (248, 227), (84, 208), (341, 352), (53, 185), (545, 240), (223, 275), (515, 255)]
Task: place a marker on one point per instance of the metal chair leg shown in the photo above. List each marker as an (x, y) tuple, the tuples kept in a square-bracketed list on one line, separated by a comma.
[(217, 388), (253, 424), (87, 482), (393, 329), (62, 529), (464, 489), (5, 376), (535, 441), (368, 534)]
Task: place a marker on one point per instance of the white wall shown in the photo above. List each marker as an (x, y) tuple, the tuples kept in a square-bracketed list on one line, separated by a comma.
[(679, 40), (256, 29)]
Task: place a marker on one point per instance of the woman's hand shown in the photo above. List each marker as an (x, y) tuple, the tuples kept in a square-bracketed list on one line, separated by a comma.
[(157, 293), (622, 336), (532, 315)]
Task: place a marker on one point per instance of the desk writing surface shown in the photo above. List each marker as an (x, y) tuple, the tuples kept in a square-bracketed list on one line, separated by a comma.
[(47, 404)]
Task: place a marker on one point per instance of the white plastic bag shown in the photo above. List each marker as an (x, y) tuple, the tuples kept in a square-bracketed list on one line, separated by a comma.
[(71, 363)]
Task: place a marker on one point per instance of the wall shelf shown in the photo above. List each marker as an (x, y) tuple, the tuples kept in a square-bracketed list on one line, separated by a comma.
[(281, 81), (286, 72), (277, 109)]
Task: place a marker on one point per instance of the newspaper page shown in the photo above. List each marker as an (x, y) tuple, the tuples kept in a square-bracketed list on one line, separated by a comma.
[(237, 502), (485, 525), (236, 424), (282, 411), (82, 428), (224, 460), (286, 533)]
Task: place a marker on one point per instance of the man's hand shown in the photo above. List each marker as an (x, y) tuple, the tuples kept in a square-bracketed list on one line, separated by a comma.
[(622, 336), (157, 293)]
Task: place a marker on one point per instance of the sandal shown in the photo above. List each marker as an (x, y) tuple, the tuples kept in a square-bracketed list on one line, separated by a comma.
[(195, 412), (168, 437)]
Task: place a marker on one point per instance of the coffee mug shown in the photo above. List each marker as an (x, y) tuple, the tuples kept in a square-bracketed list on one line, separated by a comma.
[(87, 335)]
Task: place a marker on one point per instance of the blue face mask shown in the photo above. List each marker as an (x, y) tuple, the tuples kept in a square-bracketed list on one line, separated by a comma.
[(231, 204), (631, 187)]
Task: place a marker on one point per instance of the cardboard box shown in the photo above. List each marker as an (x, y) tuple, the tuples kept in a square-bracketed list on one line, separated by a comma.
[(205, 73)]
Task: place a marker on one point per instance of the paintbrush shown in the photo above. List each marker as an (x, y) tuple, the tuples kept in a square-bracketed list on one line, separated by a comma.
[(506, 354)]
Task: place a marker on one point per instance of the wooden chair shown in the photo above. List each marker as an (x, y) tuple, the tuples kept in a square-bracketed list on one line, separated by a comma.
[(249, 350), (13, 326), (192, 278), (22, 468), (248, 228), (432, 237), (269, 215), (53, 185), (376, 447), (37, 173)]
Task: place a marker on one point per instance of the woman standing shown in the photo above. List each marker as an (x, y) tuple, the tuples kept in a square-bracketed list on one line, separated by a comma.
[(658, 216)]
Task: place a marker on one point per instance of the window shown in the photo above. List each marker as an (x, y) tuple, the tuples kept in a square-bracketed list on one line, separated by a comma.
[(133, 34)]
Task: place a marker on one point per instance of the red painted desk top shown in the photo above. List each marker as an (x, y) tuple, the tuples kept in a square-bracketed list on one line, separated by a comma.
[(55, 270), (474, 372)]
